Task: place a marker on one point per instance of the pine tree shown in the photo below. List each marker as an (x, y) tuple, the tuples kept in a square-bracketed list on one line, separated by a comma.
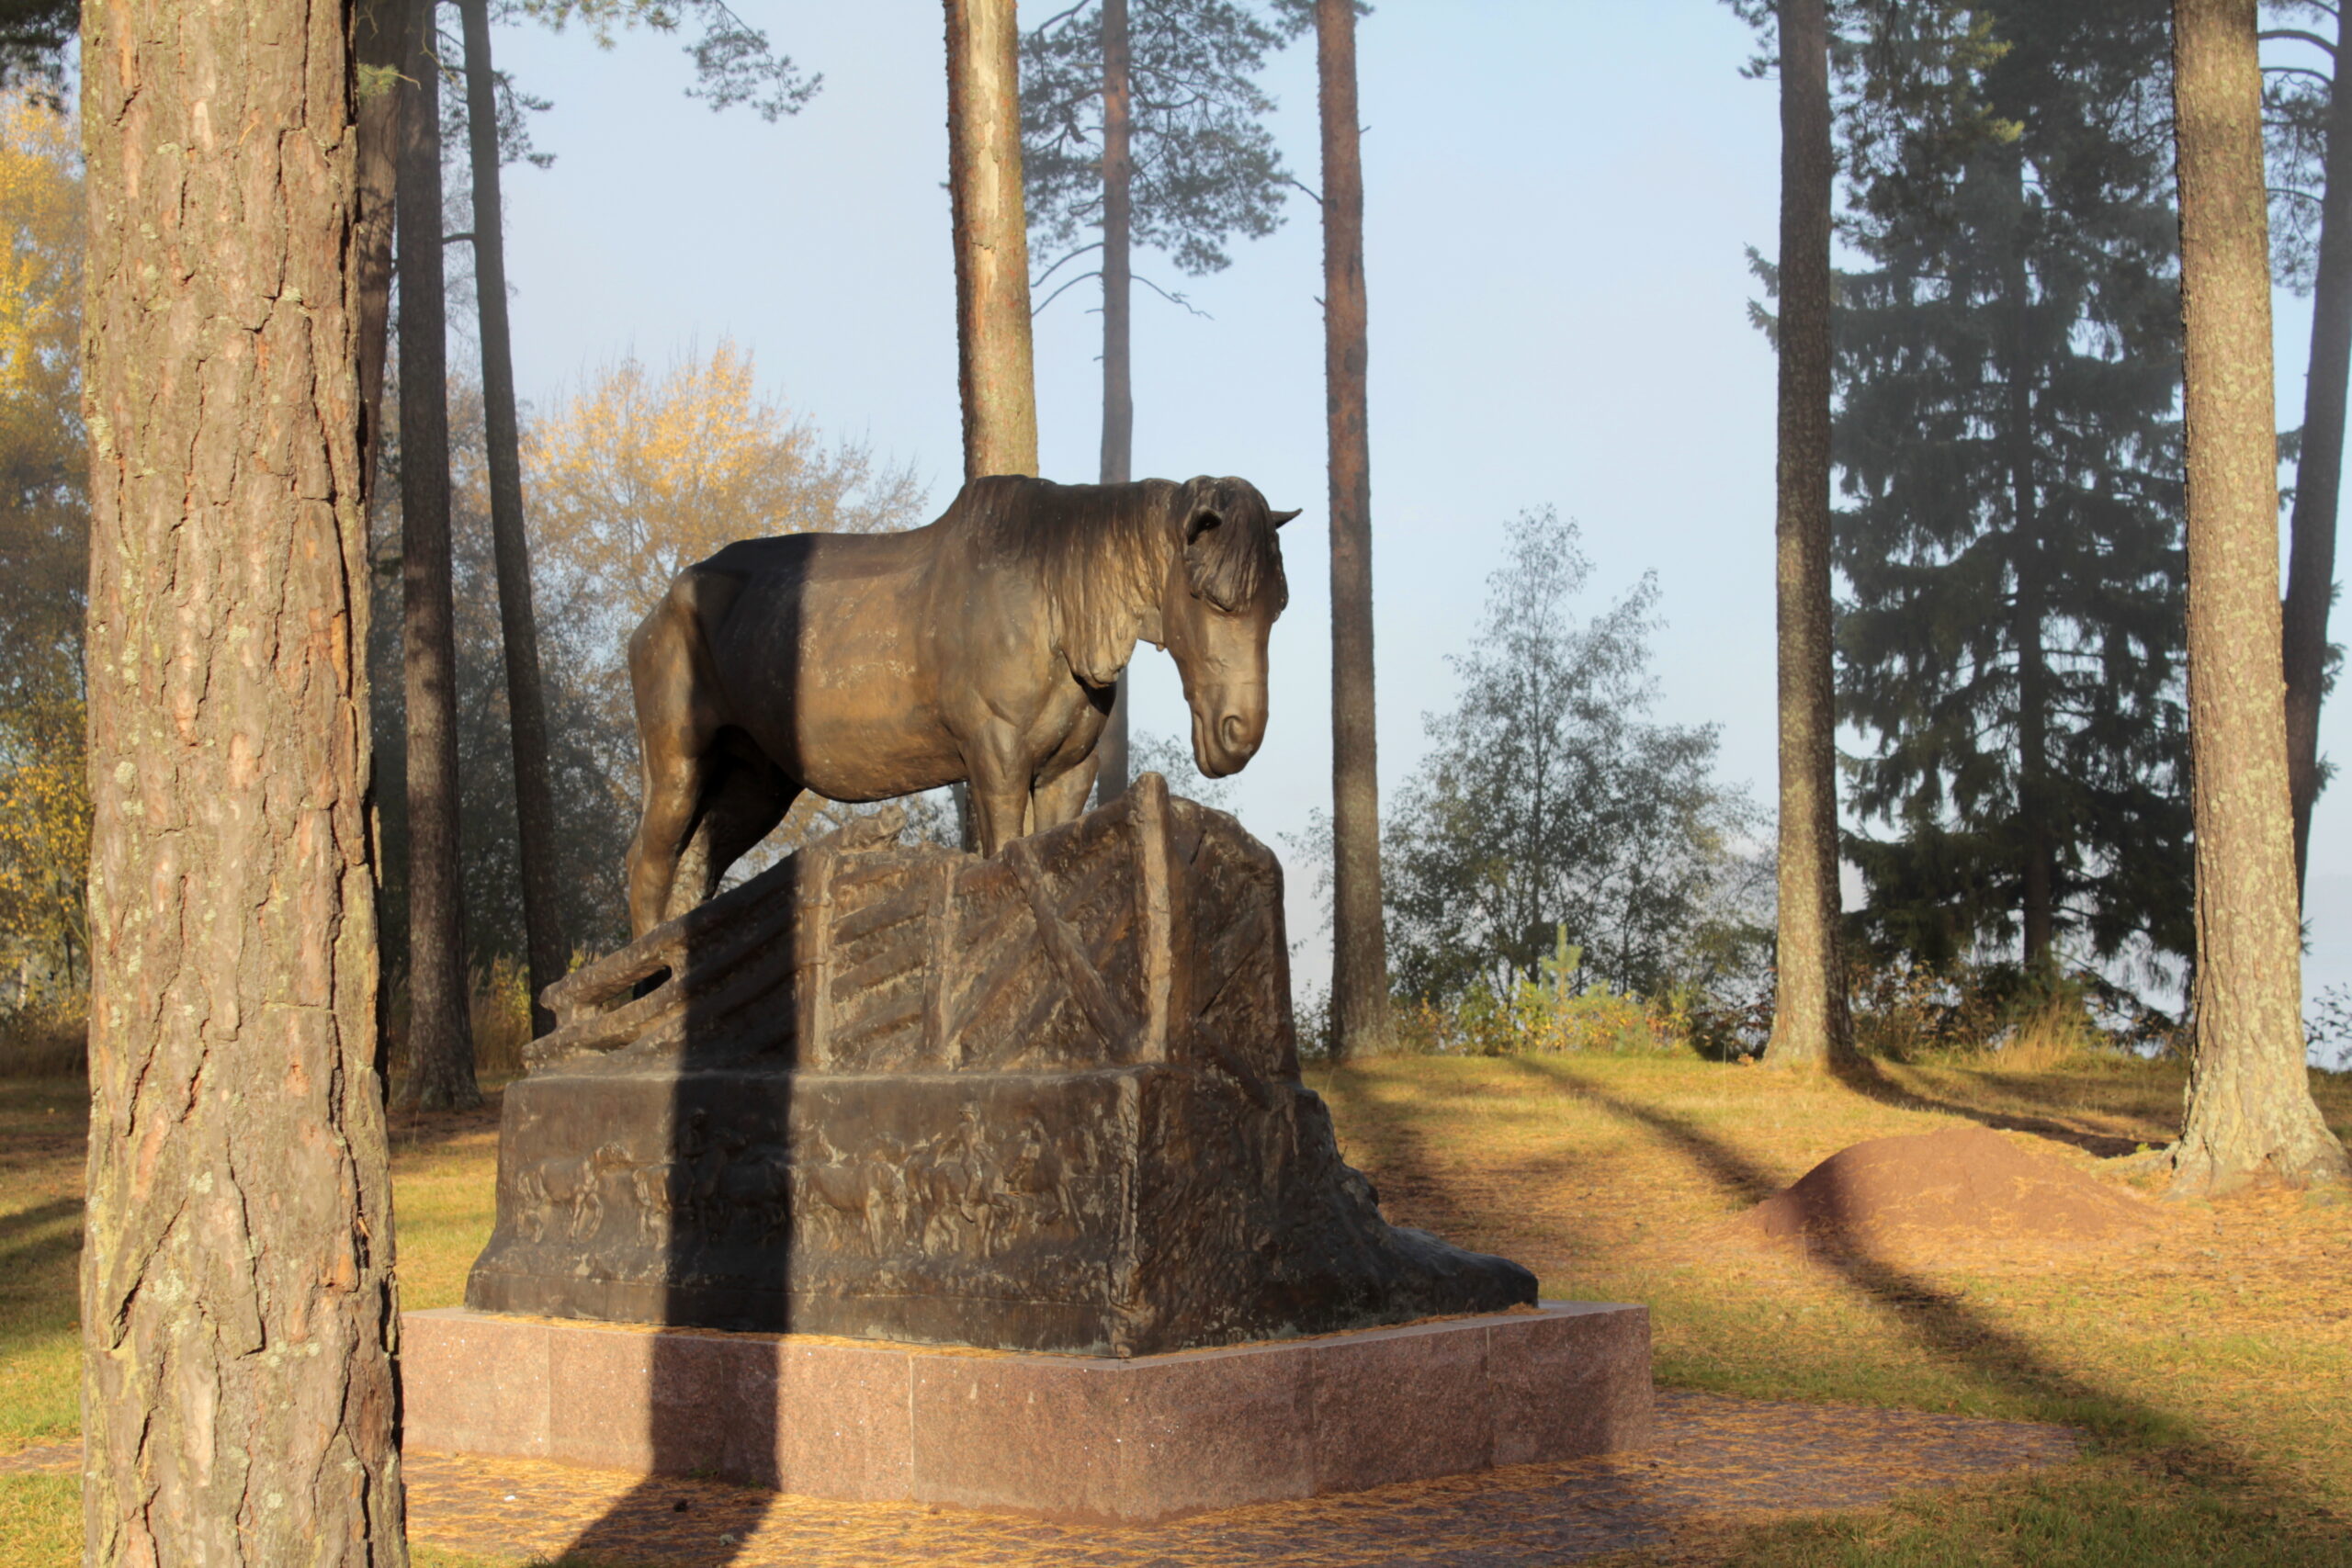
[(544, 940), (2250, 1109), (241, 1405), (1810, 1024), (2010, 456), (1360, 1001), (1142, 123), (440, 1027), (2310, 176), (991, 238)]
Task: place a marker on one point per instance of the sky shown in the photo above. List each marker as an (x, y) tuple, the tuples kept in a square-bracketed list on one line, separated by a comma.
[(1560, 199)]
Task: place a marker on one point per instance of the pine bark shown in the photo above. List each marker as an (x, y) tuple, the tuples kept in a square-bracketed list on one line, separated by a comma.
[(380, 31), (1809, 1018), (994, 368), (1360, 949), (2250, 1109), (1114, 767), (518, 623), (2319, 473), (440, 1023), (237, 1301)]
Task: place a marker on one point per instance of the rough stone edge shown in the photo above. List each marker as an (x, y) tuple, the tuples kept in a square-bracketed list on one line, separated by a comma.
[(1564, 1379)]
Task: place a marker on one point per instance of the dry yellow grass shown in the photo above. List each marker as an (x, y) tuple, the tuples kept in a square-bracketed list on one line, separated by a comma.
[(2214, 1362)]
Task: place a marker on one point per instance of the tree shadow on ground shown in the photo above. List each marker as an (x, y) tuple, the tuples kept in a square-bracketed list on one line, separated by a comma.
[(1866, 1078), (1943, 1321), (1410, 1179), (34, 1238)]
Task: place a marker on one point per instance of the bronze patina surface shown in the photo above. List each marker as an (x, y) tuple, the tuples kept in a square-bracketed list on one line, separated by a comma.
[(1044, 1100), (982, 649)]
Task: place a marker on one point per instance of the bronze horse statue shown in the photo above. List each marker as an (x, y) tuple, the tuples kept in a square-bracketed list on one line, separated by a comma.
[(981, 648)]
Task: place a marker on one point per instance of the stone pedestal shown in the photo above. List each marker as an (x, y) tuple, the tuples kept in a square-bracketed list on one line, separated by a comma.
[(1044, 1102), (1081, 1437)]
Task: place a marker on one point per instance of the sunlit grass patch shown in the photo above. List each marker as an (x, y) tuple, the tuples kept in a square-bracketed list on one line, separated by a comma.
[(2219, 1351), (40, 1242), (40, 1521)]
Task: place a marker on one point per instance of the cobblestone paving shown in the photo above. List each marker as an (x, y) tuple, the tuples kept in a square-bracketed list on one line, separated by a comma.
[(1718, 1462)]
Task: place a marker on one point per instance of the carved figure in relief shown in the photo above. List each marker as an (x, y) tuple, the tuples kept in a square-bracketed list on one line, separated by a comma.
[(833, 1199), (758, 1187), (981, 648), (1037, 1176), (663, 1192), (572, 1186), (887, 1196)]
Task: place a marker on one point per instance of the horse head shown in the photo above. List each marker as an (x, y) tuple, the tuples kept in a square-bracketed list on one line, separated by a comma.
[(1223, 590)]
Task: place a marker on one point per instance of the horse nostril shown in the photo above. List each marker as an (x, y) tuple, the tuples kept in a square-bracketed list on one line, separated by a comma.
[(1234, 731)]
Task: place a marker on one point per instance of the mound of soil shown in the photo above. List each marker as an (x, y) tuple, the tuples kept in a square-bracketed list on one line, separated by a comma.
[(1969, 1184)]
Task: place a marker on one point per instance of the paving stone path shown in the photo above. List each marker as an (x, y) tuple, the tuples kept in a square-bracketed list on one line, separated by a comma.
[(1719, 1462)]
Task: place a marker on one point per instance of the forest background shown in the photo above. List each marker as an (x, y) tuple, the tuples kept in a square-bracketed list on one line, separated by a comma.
[(1561, 318)]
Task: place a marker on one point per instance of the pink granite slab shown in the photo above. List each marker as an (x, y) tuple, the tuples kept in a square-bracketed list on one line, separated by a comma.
[(1071, 1437)]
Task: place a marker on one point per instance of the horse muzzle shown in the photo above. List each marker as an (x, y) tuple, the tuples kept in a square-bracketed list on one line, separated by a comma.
[(1224, 745)]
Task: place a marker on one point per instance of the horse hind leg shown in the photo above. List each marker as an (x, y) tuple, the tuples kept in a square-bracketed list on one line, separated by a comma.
[(674, 729), (743, 801)]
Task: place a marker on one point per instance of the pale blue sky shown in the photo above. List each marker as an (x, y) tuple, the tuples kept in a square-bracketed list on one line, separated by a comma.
[(1558, 198)]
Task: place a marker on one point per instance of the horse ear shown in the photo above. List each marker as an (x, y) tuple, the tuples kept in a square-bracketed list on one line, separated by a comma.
[(1279, 518), (1199, 523)]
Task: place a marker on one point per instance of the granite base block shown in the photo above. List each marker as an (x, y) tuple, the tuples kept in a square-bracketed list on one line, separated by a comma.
[(1070, 1437)]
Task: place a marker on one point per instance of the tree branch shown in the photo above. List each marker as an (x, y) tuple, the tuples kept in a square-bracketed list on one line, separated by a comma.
[(1039, 281), (2299, 36), (1050, 22), (1172, 299), (1067, 286)]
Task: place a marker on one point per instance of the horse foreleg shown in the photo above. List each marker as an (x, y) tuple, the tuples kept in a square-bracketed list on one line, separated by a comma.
[(1000, 781), (1062, 799)]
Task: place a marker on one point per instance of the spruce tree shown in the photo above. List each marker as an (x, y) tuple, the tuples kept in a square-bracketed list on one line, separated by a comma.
[(2008, 441)]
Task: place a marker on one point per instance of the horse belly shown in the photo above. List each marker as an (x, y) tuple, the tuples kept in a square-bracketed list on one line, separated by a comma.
[(835, 693)]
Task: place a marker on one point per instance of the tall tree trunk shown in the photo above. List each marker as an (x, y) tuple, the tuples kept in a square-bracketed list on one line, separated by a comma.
[(237, 1301), (1360, 949), (2319, 474), (525, 704), (1118, 393), (2250, 1107), (993, 362), (2037, 867), (440, 1025), (380, 31), (1809, 1018)]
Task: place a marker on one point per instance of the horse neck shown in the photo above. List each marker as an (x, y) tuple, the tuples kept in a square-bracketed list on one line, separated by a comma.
[(1133, 548)]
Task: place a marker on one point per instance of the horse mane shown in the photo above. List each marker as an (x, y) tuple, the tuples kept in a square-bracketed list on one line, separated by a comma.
[(1102, 552), (1232, 564)]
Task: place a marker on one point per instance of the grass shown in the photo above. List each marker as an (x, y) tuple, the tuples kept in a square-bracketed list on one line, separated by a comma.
[(2213, 1367)]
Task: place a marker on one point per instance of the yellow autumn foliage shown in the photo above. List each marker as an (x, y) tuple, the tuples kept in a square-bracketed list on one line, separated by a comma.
[(41, 271), (636, 476), (44, 552)]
